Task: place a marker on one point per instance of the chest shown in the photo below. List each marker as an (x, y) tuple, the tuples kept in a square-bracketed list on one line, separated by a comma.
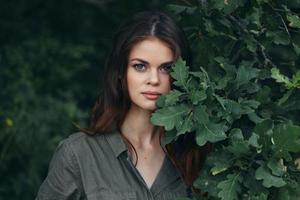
[(149, 166), (108, 179)]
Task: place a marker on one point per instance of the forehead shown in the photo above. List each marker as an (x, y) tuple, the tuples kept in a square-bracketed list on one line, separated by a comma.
[(151, 48)]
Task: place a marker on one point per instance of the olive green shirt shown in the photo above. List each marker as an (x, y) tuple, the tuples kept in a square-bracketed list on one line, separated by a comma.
[(98, 168)]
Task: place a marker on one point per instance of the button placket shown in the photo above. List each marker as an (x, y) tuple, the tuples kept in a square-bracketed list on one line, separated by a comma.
[(140, 178)]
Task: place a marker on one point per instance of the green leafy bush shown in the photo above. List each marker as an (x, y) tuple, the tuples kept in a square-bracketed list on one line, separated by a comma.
[(242, 94)]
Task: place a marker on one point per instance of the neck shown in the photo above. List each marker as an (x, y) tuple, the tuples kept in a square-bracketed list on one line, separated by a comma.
[(138, 129)]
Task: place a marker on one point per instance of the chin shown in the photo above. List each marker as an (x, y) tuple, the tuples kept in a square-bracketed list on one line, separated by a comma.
[(150, 108), (153, 109), (147, 107)]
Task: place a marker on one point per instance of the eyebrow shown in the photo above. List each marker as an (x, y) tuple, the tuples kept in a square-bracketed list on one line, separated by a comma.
[(145, 62)]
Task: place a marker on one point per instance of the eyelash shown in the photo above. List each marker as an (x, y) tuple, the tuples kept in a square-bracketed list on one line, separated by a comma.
[(164, 68), (137, 65), (167, 68)]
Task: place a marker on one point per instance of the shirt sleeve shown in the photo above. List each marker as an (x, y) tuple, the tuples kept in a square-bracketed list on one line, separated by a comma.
[(63, 181)]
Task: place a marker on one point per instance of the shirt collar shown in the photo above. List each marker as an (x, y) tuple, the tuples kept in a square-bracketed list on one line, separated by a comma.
[(116, 142), (168, 174)]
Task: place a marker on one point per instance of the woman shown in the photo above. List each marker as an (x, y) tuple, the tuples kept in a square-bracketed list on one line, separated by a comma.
[(120, 155)]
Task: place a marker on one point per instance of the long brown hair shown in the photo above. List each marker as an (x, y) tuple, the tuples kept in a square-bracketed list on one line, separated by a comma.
[(114, 102)]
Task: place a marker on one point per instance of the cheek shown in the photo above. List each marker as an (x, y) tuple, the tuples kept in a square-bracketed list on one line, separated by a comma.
[(133, 81), (167, 83)]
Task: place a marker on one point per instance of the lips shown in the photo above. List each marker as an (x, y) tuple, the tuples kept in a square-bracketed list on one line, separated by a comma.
[(151, 95)]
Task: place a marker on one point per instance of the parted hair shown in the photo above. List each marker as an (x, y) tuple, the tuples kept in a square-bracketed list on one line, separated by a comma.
[(113, 103)]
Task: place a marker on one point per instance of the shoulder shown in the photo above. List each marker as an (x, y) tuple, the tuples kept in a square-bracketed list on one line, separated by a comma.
[(80, 137), (77, 148), (82, 146), (79, 141)]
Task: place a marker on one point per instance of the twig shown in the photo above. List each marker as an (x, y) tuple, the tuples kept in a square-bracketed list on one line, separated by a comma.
[(266, 59), (279, 15), (286, 28)]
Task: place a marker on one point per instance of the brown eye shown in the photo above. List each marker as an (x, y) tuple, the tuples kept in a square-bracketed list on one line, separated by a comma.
[(139, 67)]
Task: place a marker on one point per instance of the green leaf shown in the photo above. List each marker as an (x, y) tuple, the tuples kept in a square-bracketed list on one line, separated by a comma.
[(279, 37), (242, 107), (223, 82), (224, 64), (230, 188), (160, 102), (253, 140), (232, 107), (264, 130), (255, 16), (207, 182), (245, 73), (218, 161), (297, 49), (296, 79), (263, 95), (262, 1), (221, 100), (228, 6), (251, 43), (209, 133), (286, 139), (169, 116), (262, 173), (250, 88), (180, 8), (200, 114), (276, 166), (250, 103), (236, 134), (180, 74), (203, 78), (219, 169), (288, 193), (238, 146), (172, 97), (285, 97), (280, 78), (262, 196), (294, 20), (254, 187), (254, 118), (169, 136), (213, 30), (185, 126), (248, 106), (197, 96)]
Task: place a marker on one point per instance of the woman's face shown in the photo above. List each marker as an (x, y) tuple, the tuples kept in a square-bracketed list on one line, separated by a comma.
[(149, 65)]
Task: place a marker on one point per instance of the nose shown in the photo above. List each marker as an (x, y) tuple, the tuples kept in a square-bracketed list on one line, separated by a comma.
[(153, 77)]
